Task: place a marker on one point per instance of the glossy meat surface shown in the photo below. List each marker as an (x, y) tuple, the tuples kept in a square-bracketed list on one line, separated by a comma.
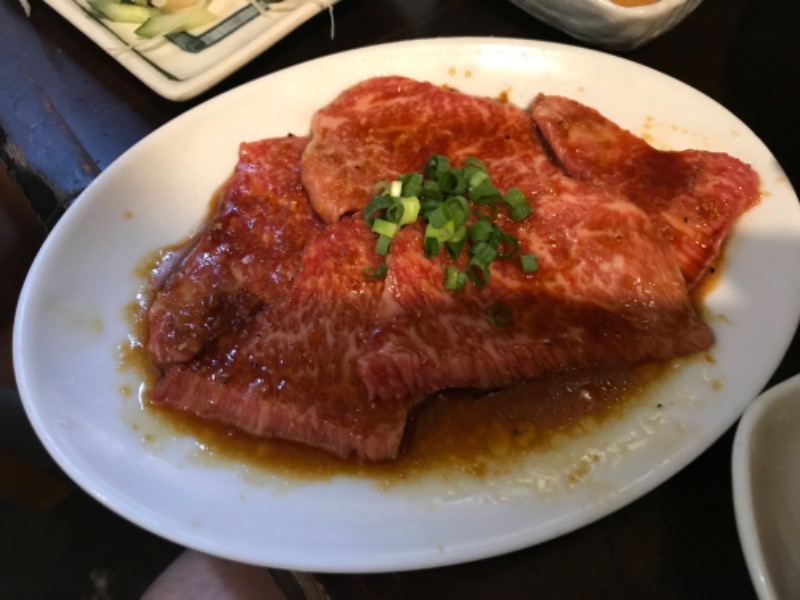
[(270, 325), (693, 197), (292, 373), (608, 292), (244, 258), (387, 126)]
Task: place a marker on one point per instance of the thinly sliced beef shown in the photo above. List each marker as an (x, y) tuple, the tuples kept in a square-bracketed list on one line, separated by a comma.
[(292, 373), (693, 197), (571, 314), (245, 257), (608, 293), (387, 126), (270, 324)]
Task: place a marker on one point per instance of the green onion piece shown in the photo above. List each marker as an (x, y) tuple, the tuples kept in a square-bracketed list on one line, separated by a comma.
[(394, 213), (375, 206), (520, 212), (382, 245), (454, 247), (441, 234), (396, 188), (452, 182), (431, 247), (485, 208), (477, 178), (436, 164), (412, 184), (403, 211), (508, 246), (514, 197), (385, 228), (454, 279), (411, 208), (485, 189), (378, 273), (430, 195), (427, 206), (459, 233), (459, 209), (440, 216), (483, 253), (529, 263), (478, 273), (479, 231), (500, 315), (519, 206)]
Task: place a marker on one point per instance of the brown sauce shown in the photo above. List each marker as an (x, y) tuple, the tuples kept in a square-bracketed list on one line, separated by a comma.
[(473, 432)]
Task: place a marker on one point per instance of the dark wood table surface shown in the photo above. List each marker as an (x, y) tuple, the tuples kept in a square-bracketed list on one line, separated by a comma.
[(68, 110)]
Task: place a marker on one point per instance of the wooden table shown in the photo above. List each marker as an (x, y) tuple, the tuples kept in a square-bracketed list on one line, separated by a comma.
[(67, 110)]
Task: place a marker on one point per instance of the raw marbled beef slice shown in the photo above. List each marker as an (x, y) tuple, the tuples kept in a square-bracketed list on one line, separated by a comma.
[(693, 197), (387, 126), (245, 257), (292, 373)]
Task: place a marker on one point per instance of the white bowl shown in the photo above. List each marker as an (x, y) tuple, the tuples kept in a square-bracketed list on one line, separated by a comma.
[(607, 24), (766, 490)]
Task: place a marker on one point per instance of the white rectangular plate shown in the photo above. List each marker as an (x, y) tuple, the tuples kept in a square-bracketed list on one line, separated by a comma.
[(186, 64)]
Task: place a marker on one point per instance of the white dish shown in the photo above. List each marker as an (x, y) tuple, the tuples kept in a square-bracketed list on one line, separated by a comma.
[(71, 318), (610, 25), (189, 63), (766, 490)]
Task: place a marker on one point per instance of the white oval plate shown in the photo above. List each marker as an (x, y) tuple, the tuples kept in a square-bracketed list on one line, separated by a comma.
[(766, 490), (70, 320)]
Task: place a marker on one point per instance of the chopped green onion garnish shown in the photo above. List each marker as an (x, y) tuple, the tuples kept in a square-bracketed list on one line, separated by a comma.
[(459, 233), (396, 188), (412, 184), (514, 197), (440, 216), (516, 201), (440, 234), (385, 228), (436, 164), (452, 182), (403, 211), (431, 247), (454, 247), (520, 212), (483, 253), (453, 278), (457, 206), (382, 245), (480, 231), (478, 273), (485, 208), (529, 263), (477, 178), (508, 246), (485, 189), (376, 205)]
